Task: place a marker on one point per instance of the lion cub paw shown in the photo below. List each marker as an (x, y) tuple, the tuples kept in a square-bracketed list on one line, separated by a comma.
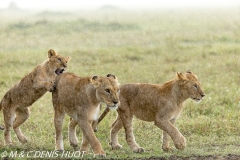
[(23, 140), (51, 86), (8, 144), (75, 147), (101, 154), (181, 143), (73, 143), (167, 149), (139, 150), (115, 146)]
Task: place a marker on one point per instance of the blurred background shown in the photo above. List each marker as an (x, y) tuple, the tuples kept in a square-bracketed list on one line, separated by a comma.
[(93, 4)]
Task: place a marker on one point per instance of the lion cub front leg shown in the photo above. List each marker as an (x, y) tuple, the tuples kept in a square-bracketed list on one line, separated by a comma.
[(165, 139), (178, 139), (89, 137), (85, 145), (58, 122), (50, 86), (127, 124), (41, 83)]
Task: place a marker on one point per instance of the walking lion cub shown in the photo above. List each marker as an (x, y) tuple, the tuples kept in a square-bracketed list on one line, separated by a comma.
[(21, 96), (160, 104), (80, 98)]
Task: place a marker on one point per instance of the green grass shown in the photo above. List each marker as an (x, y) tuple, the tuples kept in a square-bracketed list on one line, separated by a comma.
[(136, 46)]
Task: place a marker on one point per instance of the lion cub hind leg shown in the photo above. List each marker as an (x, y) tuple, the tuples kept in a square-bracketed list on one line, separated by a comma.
[(9, 117), (126, 118), (21, 116), (116, 126), (84, 145)]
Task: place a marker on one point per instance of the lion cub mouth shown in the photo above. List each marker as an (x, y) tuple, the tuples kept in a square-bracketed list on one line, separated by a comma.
[(114, 107), (196, 99), (59, 71)]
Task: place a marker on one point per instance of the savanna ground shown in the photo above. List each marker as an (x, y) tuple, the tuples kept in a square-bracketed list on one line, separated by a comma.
[(136, 46)]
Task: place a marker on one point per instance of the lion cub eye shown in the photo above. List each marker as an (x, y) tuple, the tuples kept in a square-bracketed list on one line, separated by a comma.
[(195, 86), (60, 59), (107, 90)]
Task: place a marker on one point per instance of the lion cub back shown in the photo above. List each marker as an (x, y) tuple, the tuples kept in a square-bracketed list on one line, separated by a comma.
[(65, 88)]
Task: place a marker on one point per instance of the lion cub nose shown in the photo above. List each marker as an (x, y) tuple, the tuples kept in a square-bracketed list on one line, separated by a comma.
[(115, 102), (202, 95)]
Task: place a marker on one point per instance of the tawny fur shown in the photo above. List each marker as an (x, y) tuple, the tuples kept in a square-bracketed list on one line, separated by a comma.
[(160, 104), (80, 98), (15, 103)]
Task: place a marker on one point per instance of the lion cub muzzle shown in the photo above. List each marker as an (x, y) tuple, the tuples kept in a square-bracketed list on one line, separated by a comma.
[(199, 95), (199, 98), (114, 106)]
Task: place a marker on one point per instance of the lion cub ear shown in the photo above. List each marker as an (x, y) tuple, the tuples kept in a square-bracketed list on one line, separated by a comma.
[(68, 59), (51, 53), (188, 71), (181, 76), (112, 77), (95, 81)]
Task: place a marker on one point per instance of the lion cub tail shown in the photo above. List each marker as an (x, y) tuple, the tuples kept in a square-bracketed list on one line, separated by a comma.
[(1, 128), (1, 103), (105, 112), (95, 123), (5, 100)]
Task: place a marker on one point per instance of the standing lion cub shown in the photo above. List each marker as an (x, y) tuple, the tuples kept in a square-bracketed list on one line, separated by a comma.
[(160, 104), (80, 98), (16, 102)]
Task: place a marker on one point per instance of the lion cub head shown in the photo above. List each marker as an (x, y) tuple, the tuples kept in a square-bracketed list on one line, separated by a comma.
[(57, 62), (107, 90), (190, 86)]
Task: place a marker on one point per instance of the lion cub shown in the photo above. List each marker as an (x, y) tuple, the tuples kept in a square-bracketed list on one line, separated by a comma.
[(80, 98), (160, 104), (29, 89)]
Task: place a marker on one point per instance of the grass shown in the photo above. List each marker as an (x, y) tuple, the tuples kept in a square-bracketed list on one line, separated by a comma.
[(136, 46)]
